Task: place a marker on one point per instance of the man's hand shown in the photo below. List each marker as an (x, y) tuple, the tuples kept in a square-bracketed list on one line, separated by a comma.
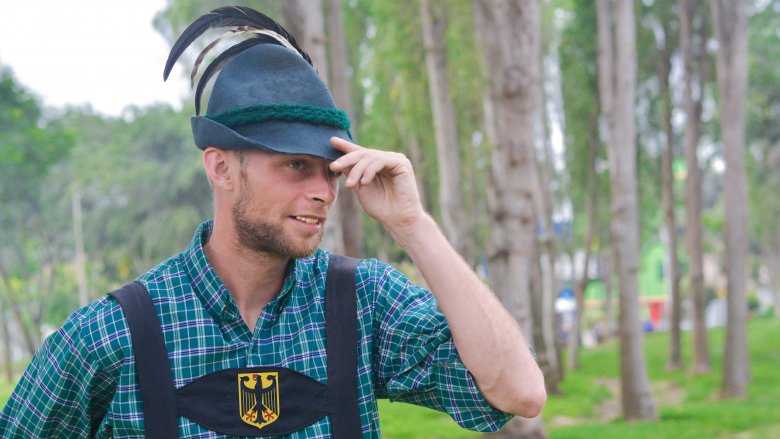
[(384, 183)]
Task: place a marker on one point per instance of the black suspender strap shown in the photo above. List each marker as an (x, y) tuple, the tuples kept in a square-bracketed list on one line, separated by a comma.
[(341, 345), (158, 394)]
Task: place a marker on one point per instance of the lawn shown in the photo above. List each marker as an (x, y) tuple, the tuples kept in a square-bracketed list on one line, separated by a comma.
[(588, 407), (689, 406)]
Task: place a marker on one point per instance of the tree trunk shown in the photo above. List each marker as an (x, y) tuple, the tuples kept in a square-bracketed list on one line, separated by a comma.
[(545, 354), (46, 282), (549, 254), (348, 205), (306, 22), (772, 258), (510, 35), (590, 231), (80, 259), (608, 275), (667, 175), (30, 342), (621, 74), (693, 195), (543, 312), (730, 19), (5, 335), (434, 26), (417, 158)]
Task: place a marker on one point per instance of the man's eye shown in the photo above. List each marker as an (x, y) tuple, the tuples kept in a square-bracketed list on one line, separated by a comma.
[(334, 174), (297, 165)]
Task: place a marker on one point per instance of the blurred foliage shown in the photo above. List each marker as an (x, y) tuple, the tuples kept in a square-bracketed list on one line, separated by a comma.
[(577, 24), (141, 188), (31, 145), (763, 132)]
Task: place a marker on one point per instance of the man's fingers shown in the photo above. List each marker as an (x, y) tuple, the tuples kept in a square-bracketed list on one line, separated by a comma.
[(344, 146), (356, 173), (370, 172), (344, 163), (361, 165)]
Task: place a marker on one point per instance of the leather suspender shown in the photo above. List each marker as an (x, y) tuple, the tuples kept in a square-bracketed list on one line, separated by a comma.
[(341, 346), (158, 393)]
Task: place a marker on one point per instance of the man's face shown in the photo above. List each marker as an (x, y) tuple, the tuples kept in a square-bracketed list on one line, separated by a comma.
[(283, 202)]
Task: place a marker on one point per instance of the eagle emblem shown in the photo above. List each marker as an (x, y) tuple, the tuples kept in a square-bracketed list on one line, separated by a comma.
[(258, 398)]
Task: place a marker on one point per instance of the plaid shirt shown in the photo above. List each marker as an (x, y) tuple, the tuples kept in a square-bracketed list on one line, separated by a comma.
[(82, 381)]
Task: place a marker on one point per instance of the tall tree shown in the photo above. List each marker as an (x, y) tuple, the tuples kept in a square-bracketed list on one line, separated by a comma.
[(584, 153), (545, 328), (305, 19), (591, 197), (80, 259), (763, 141), (350, 211), (730, 20), (5, 344), (434, 24), (617, 84), (510, 35), (693, 40), (394, 112), (664, 26)]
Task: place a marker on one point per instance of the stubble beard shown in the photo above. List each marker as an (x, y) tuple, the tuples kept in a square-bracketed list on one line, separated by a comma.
[(263, 237)]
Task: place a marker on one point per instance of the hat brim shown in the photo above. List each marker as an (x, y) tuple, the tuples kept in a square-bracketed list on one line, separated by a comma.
[(284, 137)]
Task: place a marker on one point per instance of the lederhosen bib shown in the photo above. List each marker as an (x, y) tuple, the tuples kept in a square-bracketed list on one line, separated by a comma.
[(255, 401)]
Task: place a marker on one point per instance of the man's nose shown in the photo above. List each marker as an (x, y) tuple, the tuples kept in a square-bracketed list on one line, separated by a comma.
[(324, 186)]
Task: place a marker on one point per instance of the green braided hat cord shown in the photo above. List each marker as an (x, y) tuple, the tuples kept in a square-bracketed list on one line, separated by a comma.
[(297, 113)]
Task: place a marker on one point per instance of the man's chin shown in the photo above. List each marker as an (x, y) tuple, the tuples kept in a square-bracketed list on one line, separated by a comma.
[(304, 250), (302, 253)]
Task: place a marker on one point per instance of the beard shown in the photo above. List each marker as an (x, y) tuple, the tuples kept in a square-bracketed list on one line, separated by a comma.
[(263, 237)]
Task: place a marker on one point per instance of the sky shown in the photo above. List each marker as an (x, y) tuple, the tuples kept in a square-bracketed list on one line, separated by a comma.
[(104, 53)]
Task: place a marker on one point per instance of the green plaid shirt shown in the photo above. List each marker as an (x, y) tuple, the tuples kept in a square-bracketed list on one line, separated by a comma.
[(82, 381)]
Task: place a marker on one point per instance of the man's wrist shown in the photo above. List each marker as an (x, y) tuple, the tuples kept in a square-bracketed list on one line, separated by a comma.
[(414, 231)]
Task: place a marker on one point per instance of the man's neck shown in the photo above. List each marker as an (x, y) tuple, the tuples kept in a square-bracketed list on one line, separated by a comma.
[(253, 279)]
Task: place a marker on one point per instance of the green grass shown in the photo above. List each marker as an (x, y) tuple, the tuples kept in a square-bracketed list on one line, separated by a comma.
[(405, 421), (688, 405)]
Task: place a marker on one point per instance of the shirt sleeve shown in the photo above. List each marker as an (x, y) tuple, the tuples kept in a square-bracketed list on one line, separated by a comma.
[(62, 393), (416, 359)]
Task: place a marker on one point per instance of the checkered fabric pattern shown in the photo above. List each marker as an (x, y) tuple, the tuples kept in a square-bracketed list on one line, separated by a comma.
[(82, 383)]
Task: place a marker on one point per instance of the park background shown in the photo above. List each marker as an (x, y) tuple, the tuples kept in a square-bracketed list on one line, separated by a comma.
[(609, 167)]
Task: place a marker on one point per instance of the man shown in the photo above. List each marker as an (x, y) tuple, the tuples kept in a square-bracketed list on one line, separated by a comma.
[(246, 319)]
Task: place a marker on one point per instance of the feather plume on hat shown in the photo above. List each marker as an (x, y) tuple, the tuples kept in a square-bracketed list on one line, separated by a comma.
[(241, 21)]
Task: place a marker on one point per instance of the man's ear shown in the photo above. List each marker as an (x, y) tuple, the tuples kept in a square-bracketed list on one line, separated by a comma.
[(217, 164)]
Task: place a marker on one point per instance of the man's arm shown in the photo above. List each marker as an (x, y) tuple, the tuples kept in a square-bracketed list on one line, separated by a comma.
[(488, 340), (62, 393)]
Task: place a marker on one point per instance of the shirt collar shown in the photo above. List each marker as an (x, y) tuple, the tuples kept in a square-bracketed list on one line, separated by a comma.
[(210, 289)]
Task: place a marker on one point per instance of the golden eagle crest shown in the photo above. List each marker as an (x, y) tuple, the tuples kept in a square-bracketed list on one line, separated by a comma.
[(258, 398)]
